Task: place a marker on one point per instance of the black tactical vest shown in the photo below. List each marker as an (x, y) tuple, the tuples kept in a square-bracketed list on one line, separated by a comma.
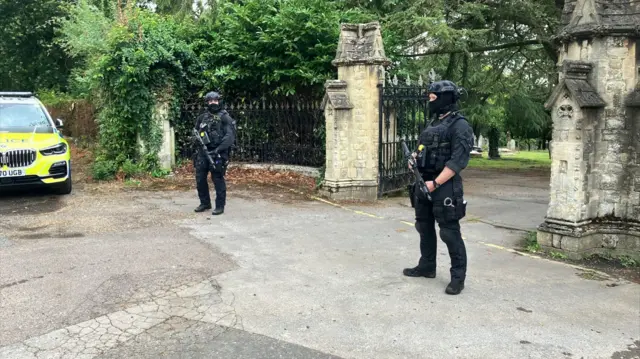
[(211, 124), (435, 149)]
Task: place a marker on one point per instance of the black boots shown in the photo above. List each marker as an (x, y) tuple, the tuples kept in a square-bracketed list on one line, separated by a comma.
[(218, 211), (202, 208), (455, 287), (417, 272)]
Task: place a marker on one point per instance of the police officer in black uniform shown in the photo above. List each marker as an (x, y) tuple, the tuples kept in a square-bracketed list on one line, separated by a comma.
[(443, 152), (215, 125)]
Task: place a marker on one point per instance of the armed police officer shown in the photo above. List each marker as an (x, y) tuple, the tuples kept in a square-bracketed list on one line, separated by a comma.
[(216, 130), (443, 152)]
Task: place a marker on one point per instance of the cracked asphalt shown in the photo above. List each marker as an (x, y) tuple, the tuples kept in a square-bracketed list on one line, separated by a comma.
[(126, 274)]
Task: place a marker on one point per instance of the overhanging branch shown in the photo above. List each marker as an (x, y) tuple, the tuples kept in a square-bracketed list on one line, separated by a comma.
[(477, 49)]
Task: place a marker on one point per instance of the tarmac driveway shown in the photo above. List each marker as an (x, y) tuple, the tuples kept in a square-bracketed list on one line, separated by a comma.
[(139, 275)]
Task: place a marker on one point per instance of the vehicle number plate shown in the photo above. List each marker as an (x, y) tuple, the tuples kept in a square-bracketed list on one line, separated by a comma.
[(11, 173)]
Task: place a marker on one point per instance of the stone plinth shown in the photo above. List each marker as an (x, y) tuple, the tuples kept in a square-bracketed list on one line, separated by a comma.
[(166, 155), (166, 132), (594, 197), (351, 107)]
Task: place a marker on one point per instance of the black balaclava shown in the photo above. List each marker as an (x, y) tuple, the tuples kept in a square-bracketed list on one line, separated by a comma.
[(443, 104), (214, 107)]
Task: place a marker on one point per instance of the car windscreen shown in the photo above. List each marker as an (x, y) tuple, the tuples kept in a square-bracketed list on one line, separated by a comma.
[(23, 118)]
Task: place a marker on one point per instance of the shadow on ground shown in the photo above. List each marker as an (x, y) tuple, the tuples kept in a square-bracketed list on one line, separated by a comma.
[(41, 201)]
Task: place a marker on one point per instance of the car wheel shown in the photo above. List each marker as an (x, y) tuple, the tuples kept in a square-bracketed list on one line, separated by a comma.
[(65, 187)]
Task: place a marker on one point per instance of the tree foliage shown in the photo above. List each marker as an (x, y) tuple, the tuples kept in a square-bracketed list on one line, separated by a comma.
[(30, 59), (125, 55), (499, 51), (138, 61), (272, 46)]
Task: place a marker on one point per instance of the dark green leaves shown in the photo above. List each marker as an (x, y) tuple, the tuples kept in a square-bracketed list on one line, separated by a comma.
[(273, 46), (137, 61), (30, 59)]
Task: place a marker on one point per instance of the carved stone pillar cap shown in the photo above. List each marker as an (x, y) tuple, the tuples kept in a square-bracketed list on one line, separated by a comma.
[(576, 82), (336, 95), (360, 44), (335, 85)]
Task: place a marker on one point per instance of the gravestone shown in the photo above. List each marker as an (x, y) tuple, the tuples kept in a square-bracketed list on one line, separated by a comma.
[(595, 174), (481, 141), (351, 109)]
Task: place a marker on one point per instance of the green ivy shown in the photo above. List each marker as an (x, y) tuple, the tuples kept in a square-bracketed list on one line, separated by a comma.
[(146, 64)]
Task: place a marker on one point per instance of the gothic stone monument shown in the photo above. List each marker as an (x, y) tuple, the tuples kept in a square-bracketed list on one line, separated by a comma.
[(351, 111), (595, 179)]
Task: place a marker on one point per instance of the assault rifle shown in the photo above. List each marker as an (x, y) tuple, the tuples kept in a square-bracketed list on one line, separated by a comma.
[(204, 147), (412, 164)]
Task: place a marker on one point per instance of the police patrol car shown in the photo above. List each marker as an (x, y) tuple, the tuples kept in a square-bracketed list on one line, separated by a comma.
[(32, 150)]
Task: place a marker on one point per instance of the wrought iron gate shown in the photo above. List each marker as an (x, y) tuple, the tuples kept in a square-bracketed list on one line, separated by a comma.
[(288, 130), (403, 115)]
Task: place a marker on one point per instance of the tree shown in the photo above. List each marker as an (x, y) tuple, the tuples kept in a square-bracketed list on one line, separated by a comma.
[(279, 47), (30, 59), (500, 51), (132, 62), (180, 8)]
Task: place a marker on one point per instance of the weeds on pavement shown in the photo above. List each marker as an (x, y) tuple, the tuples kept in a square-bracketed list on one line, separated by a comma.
[(531, 242)]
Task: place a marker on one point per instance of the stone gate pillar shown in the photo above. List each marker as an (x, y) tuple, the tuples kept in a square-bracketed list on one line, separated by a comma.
[(167, 153), (162, 128), (351, 107), (595, 174)]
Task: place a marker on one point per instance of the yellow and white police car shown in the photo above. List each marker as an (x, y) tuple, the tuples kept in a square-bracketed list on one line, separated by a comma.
[(33, 152)]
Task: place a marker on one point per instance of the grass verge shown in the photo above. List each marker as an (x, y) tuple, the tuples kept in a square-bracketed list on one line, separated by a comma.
[(525, 160)]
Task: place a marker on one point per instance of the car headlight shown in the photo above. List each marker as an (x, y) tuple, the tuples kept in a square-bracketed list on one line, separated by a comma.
[(58, 149)]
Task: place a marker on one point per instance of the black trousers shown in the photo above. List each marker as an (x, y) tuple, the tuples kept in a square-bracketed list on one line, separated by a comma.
[(203, 169), (446, 209)]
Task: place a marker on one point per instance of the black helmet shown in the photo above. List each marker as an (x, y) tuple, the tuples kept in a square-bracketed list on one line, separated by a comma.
[(212, 96), (448, 96), (443, 86)]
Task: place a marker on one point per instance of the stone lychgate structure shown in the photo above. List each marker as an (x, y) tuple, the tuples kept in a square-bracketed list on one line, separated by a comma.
[(351, 107), (595, 180)]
